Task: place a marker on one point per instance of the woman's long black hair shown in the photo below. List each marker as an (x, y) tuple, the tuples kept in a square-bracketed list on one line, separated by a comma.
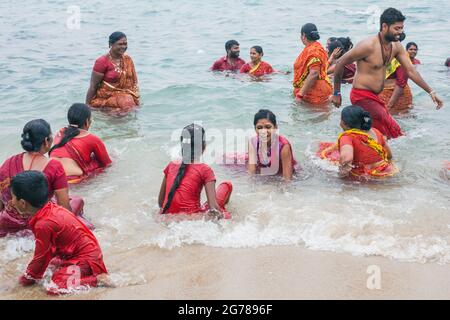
[(192, 146), (77, 116)]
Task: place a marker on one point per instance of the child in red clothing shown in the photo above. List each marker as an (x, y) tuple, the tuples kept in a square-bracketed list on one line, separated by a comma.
[(183, 181), (80, 152), (59, 234)]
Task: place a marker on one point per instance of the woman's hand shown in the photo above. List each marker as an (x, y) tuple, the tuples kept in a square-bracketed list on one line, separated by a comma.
[(215, 214), (336, 53), (345, 169)]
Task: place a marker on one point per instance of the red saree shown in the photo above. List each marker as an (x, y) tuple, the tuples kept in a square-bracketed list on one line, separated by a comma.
[(349, 73), (314, 55), (382, 119), (259, 70), (89, 152), (89, 168), (124, 94), (370, 157), (10, 220)]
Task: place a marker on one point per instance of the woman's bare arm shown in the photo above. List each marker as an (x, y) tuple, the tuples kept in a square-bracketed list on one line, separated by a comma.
[(162, 192), (252, 159), (210, 189), (398, 92), (62, 198), (345, 160), (96, 79), (310, 80), (286, 161)]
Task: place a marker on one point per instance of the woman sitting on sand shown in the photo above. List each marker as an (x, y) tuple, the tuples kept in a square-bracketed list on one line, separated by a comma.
[(361, 151), (184, 180), (80, 152), (36, 141), (114, 83), (270, 153)]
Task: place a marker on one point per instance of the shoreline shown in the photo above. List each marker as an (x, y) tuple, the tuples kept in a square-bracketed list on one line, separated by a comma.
[(265, 273)]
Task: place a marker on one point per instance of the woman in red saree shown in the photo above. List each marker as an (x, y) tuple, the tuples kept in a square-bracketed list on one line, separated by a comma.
[(311, 82), (336, 50), (413, 49), (81, 153), (361, 151), (114, 83), (36, 141), (256, 67)]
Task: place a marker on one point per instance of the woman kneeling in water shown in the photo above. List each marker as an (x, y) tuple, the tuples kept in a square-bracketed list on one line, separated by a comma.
[(36, 141), (183, 181), (362, 150), (80, 152), (270, 153)]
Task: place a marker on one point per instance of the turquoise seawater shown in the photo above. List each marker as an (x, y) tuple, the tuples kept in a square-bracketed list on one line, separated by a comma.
[(46, 67)]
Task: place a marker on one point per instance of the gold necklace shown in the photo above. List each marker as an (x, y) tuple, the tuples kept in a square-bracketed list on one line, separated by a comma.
[(117, 68)]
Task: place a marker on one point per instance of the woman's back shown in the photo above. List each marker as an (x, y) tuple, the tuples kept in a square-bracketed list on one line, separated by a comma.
[(187, 196), (363, 154), (81, 153)]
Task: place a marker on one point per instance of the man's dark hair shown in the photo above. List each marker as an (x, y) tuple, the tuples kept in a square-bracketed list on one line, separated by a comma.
[(229, 44), (391, 16), (31, 186)]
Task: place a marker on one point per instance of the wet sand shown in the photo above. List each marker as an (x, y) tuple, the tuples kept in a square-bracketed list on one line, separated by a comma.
[(199, 272)]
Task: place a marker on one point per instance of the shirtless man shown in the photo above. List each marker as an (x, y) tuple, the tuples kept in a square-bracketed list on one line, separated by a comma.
[(373, 55)]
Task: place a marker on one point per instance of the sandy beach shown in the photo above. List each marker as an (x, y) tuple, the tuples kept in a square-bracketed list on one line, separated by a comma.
[(273, 273)]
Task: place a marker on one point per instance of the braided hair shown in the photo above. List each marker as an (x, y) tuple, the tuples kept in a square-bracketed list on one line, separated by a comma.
[(191, 150), (77, 116)]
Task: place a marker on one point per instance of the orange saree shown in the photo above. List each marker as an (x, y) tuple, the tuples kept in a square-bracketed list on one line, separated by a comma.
[(121, 95), (396, 76), (404, 102), (314, 55)]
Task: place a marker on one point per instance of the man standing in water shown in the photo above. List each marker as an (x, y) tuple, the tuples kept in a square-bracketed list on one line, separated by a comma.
[(231, 62), (373, 55)]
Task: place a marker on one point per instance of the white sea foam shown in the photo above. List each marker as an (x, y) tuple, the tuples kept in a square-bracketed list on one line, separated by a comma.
[(14, 247)]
